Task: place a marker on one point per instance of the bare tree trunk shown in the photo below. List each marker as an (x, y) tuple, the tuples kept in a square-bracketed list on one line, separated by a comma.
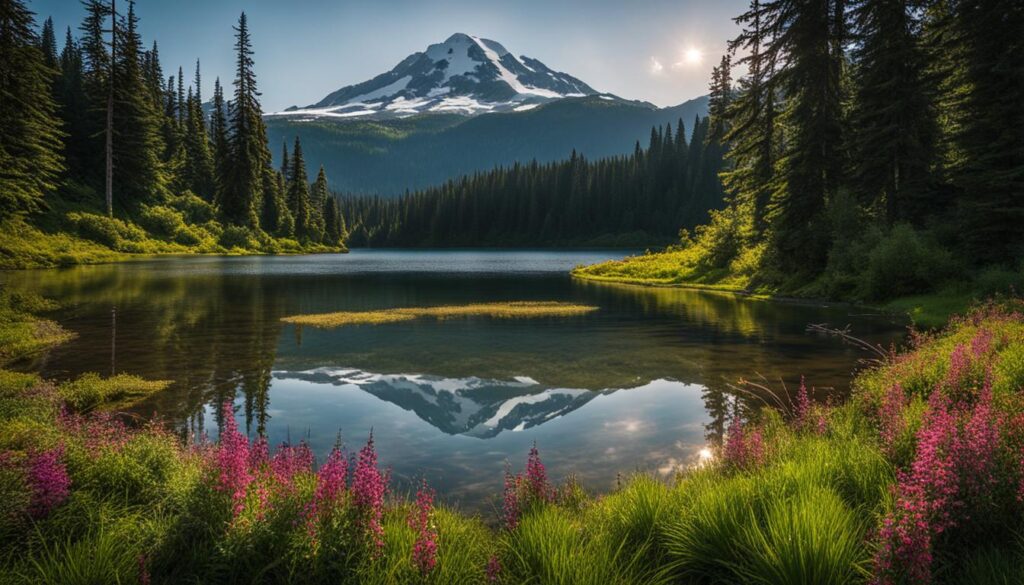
[(110, 109)]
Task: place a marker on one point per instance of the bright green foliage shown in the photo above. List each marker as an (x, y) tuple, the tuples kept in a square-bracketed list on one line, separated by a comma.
[(90, 391)]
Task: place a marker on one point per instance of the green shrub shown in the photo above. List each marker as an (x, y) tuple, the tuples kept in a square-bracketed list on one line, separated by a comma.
[(162, 221), (998, 280), (109, 231), (905, 262), (238, 237), (135, 474), (195, 209)]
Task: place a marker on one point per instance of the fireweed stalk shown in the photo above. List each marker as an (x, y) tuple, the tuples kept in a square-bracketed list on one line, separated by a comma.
[(951, 474), (368, 489), (525, 490), (424, 551), (743, 448)]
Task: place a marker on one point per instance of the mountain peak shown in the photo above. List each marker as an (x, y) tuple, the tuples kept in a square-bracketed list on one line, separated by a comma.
[(465, 75)]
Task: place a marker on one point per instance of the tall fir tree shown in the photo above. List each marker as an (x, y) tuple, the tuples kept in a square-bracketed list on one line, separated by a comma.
[(138, 174), (298, 194), (812, 160), (893, 130), (318, 197), (241, 194), (990, 173), (199, 169), (30, 134)]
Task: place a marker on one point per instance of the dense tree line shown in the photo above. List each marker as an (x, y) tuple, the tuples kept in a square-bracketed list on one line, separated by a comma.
[(637, 199), (53, 130), (858, 116)]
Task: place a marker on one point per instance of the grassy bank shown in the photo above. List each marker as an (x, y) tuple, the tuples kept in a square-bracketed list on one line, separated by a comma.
[(688, 267), (70, 233), (918, 478)]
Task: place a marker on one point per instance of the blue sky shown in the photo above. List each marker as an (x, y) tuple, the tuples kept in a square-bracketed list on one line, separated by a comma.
[(307, 48)]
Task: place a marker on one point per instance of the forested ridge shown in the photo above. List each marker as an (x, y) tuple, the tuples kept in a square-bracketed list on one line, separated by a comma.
[(873, 148), (179, 181), (640, 199)]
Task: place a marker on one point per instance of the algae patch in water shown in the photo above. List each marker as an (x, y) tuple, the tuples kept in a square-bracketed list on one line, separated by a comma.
[(508, 310)]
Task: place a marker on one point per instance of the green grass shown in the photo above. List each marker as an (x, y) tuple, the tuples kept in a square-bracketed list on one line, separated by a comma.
[(91, 391), (506, 310)]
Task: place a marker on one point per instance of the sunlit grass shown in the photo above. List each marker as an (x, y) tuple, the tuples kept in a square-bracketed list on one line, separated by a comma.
[(508, 310), (90, 391)]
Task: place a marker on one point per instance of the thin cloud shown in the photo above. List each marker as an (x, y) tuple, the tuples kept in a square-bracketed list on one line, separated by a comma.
[(656, 66)]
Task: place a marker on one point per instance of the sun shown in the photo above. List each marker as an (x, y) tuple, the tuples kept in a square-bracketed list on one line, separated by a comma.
[(693, 56)]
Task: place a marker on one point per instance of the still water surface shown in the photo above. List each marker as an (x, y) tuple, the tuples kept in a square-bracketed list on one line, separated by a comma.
[(641, 384)]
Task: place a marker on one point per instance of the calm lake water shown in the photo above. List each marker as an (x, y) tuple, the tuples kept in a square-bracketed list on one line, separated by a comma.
[(641, 384)]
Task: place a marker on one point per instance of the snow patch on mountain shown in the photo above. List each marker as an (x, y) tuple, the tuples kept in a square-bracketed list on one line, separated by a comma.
[(465, 75)]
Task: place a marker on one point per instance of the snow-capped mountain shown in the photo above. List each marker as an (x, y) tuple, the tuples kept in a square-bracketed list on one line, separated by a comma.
[(475, 407), (464, 75)]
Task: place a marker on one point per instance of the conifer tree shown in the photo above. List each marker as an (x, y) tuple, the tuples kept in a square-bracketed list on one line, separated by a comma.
[(48, 44), (298, 194), (317, 204), (138, 175), (199, 168), (811, 167), (30, 135), (219, 140), (893, 119), (241, 194), (73, 107), (990, 172)]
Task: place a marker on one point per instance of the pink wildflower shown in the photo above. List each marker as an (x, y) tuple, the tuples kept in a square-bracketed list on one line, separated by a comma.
[(890, 417), (959, 367), (368, 493), (424, 551), (977, 453), (802, 408), (537, 477), (259, 453), (743, 449), (48, 480), (232, 458), (493, 569), (510, 505), (289, 461)]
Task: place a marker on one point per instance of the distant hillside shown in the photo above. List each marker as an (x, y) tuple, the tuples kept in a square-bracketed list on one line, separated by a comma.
[(389, 156)]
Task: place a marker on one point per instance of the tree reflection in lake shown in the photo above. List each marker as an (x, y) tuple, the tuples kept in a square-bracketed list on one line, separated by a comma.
[(641, 383)]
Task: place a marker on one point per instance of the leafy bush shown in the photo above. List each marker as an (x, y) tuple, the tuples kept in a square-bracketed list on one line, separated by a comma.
[(195, 209), (905, 262), (111, 232), (998, 280), (238, 237), (162, 221)]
